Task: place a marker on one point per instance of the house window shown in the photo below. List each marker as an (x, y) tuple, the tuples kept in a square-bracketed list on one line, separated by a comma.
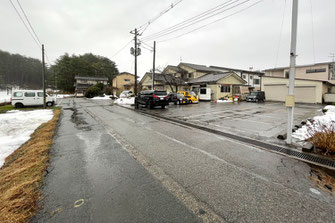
[(308, 71), (287, 74), (250, 77), (225, 88), (190, 75), (256, 81), (127, 80), (244, 76)]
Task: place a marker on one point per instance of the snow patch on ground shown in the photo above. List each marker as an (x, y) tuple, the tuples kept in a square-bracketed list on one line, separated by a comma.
[(4, 97), (326, 120), (64, 95), (125, 101), (16, 128), (105, 97)]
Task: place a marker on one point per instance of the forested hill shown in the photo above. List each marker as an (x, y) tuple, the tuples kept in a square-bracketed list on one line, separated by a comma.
[(23, 71)]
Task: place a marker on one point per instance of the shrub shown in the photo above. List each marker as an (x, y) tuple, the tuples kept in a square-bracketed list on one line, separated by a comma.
[(93, 91), (322, 136), (109, 90)]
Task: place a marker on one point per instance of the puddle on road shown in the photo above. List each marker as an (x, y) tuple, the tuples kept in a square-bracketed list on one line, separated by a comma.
[(79, 121)]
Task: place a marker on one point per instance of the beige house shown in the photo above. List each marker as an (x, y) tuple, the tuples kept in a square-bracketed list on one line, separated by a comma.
[(123, 81), (221, 84), (166, 82), (305, 90), (187, 76), (318, 71), (314, 83)]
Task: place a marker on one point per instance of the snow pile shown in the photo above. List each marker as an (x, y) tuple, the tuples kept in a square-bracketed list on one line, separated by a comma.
[(16, 128), (64, 95), (223, 101), (105, 97), (4, 97), (317, 125), (125, 101)]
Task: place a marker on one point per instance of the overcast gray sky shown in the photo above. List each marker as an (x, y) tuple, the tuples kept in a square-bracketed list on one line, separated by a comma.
[(248, 39)]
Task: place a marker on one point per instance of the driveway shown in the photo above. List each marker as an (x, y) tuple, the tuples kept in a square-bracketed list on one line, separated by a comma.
[(262, 121)]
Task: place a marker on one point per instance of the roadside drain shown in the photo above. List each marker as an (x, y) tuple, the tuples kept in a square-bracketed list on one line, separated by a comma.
[(309, 158)]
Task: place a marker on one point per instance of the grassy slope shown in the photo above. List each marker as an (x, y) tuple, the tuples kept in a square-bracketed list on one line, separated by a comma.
[(23, 172)]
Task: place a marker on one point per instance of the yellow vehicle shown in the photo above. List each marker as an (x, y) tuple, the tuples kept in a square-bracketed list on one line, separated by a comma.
[(191, 96)]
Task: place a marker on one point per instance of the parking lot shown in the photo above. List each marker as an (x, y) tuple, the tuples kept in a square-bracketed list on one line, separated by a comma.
[(262, 121)]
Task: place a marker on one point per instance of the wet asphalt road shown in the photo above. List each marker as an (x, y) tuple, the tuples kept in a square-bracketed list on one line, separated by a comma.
[(238, 182), (93, 179)]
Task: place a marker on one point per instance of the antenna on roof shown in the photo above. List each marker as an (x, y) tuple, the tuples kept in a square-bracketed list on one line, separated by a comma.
[(332, 55)]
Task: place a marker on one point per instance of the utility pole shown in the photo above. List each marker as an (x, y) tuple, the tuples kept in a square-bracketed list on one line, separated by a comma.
[(153, 66), (43, 76), (136, 51), (332, 55), (290, 100)]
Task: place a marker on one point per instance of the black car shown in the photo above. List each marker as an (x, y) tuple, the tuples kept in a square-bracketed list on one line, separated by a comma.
[(178, 98), (256, 96), (152, 98)]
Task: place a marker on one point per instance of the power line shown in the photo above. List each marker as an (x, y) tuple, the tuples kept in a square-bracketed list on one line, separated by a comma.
[(146, 25), (281, 31), (17, 12), (239, 11), (312, 18), (197, 21), (24, 13), (122, 48), (207, 12)]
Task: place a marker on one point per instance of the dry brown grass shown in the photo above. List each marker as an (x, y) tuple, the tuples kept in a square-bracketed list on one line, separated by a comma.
[(324, 178), (323, 137), (22, 174)]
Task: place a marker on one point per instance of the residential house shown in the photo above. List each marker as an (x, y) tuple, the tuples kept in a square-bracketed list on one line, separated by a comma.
[(187, 76), (222, 84), (123, 81), (253, 78), (314, 83), (83, 83), (167, 82)]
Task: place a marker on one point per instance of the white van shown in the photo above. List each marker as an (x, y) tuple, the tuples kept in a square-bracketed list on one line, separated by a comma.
[(205, 94), (21, 98)]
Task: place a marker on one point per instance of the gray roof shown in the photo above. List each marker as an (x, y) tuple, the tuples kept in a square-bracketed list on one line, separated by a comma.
[(212, 77), (306, 65), (237, 70), (198, 67), (91, 78)]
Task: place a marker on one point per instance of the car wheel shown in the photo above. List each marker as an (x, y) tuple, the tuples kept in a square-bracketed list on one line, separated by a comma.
[(151, 105), (179, 102), (18, 105), (163, 106), (136, 105), (49, 104)]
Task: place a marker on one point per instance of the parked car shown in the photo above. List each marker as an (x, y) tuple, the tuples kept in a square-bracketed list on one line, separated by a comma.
[(191, 96), (126, 94), (256, 96), (178, 98), (21, 98), (152, 98)]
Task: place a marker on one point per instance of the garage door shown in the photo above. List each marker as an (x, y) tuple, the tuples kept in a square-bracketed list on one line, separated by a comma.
[(275, 92), (306, 94), (303, 94)]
